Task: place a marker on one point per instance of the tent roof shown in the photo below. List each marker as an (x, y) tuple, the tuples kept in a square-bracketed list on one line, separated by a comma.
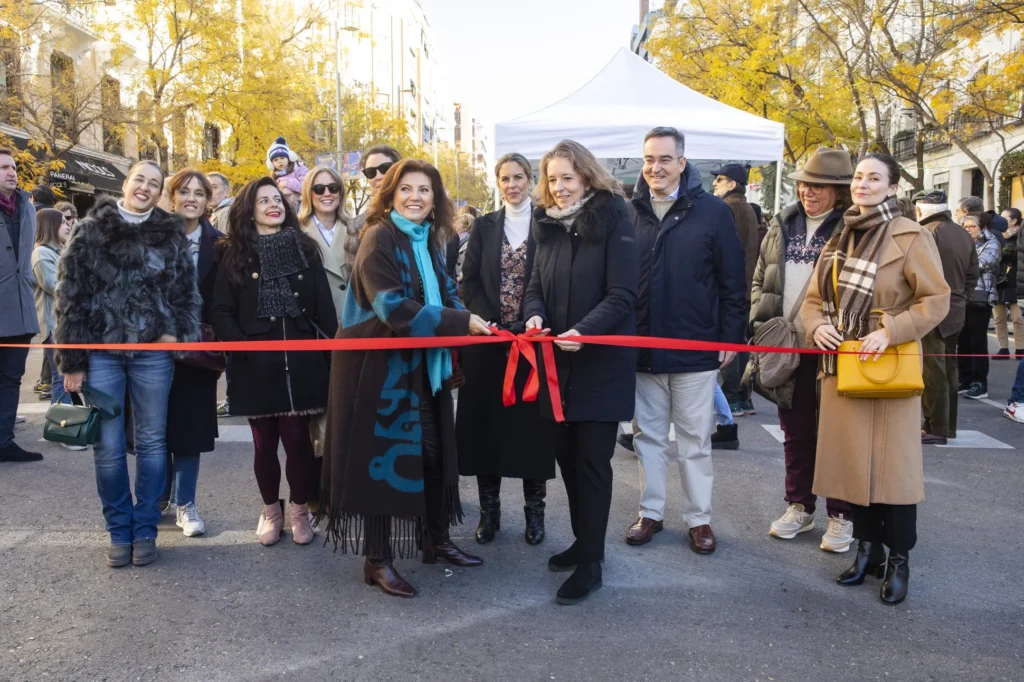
[(612, 112)]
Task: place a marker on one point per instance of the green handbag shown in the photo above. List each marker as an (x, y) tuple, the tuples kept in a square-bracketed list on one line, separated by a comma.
[(79, 424)]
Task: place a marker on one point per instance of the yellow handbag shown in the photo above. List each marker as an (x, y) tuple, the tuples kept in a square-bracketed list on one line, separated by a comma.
[(895, 374)]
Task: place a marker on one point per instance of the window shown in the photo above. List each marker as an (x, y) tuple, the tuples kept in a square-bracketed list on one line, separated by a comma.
[(10, 105), (62, 84), (179, 156), (110, 102), (211, 142)]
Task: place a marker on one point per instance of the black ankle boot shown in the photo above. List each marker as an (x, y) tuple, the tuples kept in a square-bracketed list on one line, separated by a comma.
[(897, 578), (584, 581), (490, 508), (534, 492), (870, 560)]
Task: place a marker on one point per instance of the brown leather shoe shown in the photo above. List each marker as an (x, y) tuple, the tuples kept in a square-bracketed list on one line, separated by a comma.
[(388, 579), (702, 539), (932, 439), (641, 532)]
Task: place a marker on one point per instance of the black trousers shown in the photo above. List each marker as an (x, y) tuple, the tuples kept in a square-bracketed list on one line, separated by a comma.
[(974, 340), (894, 525), (584, 452), (12, 368)]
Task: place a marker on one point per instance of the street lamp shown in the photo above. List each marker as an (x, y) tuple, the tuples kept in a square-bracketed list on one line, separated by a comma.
[(338, 28)]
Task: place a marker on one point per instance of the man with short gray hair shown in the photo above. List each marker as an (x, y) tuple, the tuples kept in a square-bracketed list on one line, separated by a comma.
[(220, 200), (960, 267)]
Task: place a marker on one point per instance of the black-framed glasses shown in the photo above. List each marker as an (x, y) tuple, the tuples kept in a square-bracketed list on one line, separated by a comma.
[(333, 188), (371, 173)]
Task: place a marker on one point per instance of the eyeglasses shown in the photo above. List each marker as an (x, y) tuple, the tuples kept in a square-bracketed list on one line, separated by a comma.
[(332, 188), (371, 173), (811, 189)]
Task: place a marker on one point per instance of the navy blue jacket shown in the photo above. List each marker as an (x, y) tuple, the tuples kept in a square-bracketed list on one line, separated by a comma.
[(594, 292), (692, 276)]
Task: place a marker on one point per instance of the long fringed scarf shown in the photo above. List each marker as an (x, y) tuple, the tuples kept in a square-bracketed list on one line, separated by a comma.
[(857, 260), (280, 255), (439, 360)]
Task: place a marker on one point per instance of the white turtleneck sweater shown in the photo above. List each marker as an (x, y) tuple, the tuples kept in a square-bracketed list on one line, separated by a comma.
[(131, 216), (517, 223)]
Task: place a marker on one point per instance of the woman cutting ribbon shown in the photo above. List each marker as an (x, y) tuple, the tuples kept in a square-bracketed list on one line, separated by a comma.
[(390, 477)]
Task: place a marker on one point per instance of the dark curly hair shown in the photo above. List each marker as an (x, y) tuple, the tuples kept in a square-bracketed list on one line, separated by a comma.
[(240, 246)]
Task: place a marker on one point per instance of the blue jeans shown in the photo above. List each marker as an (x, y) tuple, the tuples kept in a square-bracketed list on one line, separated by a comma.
[(723, 413), (57, 392), (1017, 392), (182, 476), (148, 375)]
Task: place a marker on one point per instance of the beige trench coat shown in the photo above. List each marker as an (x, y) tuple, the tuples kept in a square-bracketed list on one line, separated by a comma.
[(869, 450)]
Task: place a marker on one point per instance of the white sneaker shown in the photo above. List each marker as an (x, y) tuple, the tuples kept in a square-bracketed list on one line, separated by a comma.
[(792, 523), (76, 448), (839, 535), (1015, 411), (190, 521)]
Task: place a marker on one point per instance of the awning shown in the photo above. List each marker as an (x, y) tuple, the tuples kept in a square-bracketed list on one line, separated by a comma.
[(102, 175)]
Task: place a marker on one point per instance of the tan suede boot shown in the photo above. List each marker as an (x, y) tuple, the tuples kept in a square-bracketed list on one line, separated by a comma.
[(302, 532), (271, 523)]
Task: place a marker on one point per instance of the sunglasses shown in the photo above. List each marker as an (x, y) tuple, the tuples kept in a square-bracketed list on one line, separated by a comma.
[(371, 173), (333, 188)]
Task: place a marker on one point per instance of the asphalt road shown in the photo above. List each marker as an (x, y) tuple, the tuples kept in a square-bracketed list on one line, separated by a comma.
[(221, 607)]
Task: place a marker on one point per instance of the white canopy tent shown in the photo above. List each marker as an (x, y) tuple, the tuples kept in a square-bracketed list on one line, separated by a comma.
[(613, 111)]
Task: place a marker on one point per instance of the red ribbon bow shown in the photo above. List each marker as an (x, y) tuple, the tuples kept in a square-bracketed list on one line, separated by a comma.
[(522, 345)]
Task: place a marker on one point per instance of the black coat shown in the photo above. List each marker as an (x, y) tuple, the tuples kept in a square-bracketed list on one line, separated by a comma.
[(273, 383), (494, 439), (594, 292), (1008, 291), (192, 405), (692, 276)]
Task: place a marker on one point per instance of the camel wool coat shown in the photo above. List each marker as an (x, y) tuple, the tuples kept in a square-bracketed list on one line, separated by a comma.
[(869, 450)]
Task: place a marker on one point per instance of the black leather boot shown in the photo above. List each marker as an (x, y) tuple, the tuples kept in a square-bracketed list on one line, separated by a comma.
[(534, 492), (490, 508), (870, 560), (897, 578), (584, 581)]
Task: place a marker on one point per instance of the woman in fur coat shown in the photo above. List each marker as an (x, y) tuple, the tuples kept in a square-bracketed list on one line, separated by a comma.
[(390, 480), (271, 286), (127, 277)]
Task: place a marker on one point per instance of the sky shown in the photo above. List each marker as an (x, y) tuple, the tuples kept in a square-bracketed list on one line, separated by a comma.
[(505, 58)]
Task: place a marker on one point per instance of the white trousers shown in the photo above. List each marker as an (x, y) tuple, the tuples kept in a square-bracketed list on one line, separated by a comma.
[(682, 400)]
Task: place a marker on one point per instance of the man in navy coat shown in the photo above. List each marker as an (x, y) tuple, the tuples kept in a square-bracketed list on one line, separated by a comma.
[(692, 286)]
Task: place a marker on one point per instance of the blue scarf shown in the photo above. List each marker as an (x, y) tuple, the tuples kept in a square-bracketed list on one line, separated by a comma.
[(439, 360)]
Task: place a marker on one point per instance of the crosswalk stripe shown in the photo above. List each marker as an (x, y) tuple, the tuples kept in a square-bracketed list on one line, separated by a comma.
[(964, 439)]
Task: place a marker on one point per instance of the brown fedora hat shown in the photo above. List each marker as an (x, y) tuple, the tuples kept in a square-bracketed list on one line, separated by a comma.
[(826, 167)]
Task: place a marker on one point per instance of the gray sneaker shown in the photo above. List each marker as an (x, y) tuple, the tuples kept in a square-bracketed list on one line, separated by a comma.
[(119, 555), (144, 552)]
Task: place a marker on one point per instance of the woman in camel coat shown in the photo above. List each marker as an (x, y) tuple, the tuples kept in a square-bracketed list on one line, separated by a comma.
[(869, 450)]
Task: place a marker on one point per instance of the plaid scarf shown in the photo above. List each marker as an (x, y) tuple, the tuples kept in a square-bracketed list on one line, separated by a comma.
[(857, 267)]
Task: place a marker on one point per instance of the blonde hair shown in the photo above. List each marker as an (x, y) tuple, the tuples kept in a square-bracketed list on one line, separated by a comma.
[(464, 223), (595, 176), (306, 201)]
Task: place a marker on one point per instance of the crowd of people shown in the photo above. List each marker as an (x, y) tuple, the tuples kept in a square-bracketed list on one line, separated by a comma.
[(375, 442)]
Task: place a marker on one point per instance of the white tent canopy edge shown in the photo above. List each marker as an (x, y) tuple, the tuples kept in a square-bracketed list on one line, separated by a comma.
[(611, 113)]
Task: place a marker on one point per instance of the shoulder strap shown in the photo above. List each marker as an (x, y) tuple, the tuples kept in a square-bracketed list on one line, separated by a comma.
[(799, 301)]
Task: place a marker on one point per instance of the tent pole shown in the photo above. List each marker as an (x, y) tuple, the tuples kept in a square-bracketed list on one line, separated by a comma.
[(778, 187)]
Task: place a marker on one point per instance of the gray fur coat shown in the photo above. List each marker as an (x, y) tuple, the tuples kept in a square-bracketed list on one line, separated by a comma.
[(125, 283)]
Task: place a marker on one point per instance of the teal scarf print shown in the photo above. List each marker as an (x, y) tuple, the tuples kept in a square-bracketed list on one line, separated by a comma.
[(439, 360)]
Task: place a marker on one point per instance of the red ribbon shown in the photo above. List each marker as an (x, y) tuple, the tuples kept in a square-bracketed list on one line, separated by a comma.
[(522, 345)]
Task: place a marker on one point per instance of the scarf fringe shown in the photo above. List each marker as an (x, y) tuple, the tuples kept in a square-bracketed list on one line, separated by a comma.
[(400, 537)]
